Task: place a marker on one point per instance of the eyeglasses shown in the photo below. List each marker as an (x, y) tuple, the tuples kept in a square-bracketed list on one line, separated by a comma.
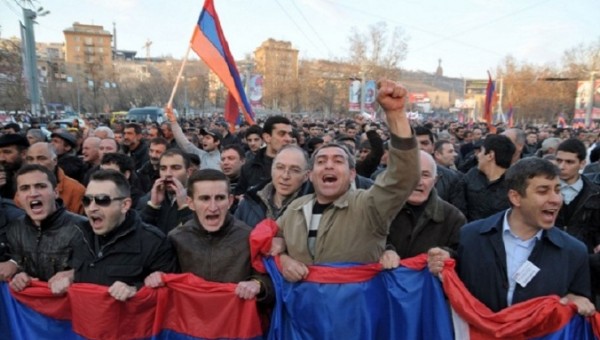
[(292, 171), (101, 200)]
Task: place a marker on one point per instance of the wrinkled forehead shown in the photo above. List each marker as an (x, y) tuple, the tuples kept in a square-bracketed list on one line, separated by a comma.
[(331, 152)]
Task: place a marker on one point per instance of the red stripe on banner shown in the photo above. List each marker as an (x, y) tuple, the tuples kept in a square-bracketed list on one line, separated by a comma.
[(260, 244), (531, 318), (187, 304)]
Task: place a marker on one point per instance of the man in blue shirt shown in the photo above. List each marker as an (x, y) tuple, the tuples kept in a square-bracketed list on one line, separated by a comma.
[(518, 254)]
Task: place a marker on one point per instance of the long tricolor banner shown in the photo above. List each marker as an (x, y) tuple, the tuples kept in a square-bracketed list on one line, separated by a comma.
[(186, 308)]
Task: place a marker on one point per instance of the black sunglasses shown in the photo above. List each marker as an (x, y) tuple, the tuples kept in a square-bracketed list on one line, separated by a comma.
[(101, 200)]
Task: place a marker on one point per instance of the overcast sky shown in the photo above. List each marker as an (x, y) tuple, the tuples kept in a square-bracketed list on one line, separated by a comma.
[(470, 36)]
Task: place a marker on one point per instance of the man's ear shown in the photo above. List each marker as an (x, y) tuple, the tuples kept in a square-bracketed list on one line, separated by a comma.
[(514, 198)]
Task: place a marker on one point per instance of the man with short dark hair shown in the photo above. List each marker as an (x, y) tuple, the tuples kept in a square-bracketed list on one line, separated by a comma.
[(116, 249), (69, 190), (214, 245), (484, 186), (134, 144), (517, 254), (337, 224), (277, 132), (12, 154), (124, 164), (580, 212), (40, 243), (253, 140), (227, 138), (165, 206), (149, 172), (232, 160)]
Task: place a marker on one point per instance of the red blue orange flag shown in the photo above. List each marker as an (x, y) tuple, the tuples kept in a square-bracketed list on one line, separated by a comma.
[(509, 115), (489, 100), (208, 41)]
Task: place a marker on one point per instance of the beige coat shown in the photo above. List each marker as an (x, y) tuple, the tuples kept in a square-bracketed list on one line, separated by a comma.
[(355, 227)]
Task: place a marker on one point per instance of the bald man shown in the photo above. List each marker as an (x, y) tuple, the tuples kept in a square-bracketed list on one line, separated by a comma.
[(425, 221), (69, 190)]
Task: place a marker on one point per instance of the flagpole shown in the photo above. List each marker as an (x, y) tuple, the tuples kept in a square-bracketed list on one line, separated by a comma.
[(185, 58)]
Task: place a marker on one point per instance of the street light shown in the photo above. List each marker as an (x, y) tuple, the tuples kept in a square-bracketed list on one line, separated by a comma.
[(30, 58), (590, 103)]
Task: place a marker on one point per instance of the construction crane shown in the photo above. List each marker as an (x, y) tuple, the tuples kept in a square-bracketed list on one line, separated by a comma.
[(147, 47)]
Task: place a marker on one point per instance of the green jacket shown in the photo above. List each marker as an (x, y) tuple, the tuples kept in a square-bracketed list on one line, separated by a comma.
[(355, 227)]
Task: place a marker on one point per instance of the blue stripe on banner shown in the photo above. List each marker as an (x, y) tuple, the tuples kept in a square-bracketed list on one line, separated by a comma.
[(18, 321), (578, 328), (209, 28), (398, 304)]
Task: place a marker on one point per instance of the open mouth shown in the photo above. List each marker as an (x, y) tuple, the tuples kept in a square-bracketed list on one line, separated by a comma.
[(329, 179), (212, 217), (549, 214), (36, 206), (96, 221)]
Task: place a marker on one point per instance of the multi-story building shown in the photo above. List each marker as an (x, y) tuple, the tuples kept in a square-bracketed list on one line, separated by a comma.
[(88, 52), (277, 61)]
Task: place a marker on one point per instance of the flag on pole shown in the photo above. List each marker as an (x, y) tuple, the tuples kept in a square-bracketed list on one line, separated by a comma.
[(208, 41), (509, 115), (490, 91)]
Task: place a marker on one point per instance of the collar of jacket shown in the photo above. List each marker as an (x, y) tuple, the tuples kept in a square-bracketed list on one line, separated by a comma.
[(493, 224), (50, 221), (266, 195), (433, 207), (341, 202), (195, 223)]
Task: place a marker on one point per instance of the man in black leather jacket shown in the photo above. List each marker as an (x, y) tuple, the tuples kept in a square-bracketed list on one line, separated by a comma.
[(116, 248), (41, 242)]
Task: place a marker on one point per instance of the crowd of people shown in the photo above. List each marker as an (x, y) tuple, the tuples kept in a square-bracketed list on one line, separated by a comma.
[(121, 204)]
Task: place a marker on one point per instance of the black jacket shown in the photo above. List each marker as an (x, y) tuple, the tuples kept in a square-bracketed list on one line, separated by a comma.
[(140, 154), (8, 212), (147, 175), (73, 166), (483, 198), (44, 251), (367, 167), (450, 188), (167, 217), (255, 172), (437, 225), (129, 253)]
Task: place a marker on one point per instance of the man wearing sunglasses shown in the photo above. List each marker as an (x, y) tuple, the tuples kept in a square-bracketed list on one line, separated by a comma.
[(117, 249), (40, 244)]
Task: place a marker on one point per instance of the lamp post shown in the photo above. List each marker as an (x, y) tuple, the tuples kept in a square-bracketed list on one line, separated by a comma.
[(30, 57)]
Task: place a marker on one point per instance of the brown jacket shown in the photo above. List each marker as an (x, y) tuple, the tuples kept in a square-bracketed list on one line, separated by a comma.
[(355, 227), (70, 192)]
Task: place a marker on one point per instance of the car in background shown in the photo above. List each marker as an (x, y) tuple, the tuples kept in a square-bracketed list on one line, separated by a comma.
[(148, 114), (66, 123)]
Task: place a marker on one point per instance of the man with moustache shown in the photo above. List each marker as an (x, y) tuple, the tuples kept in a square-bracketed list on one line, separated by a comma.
[(134, 144), (41, 242), (13, 148), (115, 248), (149, 172)]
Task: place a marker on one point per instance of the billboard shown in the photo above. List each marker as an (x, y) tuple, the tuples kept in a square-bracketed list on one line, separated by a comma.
[(354, 95), (583, 97), (255, 91)]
